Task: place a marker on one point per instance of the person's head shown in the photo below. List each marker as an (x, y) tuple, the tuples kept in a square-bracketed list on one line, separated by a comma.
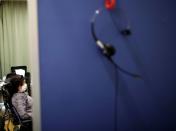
[(18, 83)]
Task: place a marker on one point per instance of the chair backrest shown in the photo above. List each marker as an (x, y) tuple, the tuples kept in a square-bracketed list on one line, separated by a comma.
[(16, 117), (7, 96)]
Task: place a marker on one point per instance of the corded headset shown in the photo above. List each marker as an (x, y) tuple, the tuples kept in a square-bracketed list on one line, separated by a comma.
[(107, 49)]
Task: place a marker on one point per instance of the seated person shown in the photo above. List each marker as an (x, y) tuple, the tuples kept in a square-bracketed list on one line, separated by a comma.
[(20, 100)]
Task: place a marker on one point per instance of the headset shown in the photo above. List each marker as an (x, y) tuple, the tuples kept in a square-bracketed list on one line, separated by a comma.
[(107, 49)]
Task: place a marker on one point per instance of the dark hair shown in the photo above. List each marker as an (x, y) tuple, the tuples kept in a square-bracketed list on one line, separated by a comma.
[(9, 76), (16, 81)]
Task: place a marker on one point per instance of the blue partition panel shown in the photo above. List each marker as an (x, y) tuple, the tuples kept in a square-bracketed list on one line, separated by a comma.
[(82, 91)]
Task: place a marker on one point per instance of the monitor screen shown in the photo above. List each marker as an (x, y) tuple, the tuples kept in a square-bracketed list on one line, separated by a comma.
[(20, 72)]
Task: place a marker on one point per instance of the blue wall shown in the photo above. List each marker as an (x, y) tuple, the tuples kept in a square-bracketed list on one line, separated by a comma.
[(81, 90)]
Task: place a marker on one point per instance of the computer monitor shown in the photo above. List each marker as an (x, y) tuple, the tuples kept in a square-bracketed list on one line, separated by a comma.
[(20, 70)]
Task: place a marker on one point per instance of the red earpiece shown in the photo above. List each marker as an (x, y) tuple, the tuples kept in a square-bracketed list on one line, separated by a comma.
[(110, 4)]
